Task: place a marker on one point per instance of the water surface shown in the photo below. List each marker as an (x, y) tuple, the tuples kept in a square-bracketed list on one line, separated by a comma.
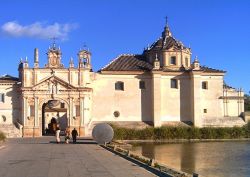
[(211, 159)]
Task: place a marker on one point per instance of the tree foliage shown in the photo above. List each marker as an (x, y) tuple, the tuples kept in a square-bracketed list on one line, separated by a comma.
[(247, 102)]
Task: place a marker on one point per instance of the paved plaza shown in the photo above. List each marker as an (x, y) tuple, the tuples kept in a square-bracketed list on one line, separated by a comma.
[(42, 157)]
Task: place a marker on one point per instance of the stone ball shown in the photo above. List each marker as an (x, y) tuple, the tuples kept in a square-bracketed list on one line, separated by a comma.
[(103, 133)]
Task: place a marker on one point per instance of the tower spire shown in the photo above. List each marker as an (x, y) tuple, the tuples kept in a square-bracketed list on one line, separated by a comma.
[(54, 42), (166, 32), (166, 20), (71, 63), (36, 58)]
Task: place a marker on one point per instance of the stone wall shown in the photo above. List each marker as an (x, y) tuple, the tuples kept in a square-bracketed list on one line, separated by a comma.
[(10, 108), (133, 104)]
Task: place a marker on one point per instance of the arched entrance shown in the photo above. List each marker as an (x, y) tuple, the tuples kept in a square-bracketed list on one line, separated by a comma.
[(54, 114)]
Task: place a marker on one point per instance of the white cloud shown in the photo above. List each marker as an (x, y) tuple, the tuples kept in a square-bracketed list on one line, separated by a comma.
[(38, 30)]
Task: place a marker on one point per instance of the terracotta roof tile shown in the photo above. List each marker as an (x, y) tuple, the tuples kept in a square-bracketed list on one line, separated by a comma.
[(211, 70), (166, 43), (7, 77), (128, 63)]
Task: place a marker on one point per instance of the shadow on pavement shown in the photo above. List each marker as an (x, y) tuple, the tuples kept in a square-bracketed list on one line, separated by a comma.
[(79, 142), (137, 163)]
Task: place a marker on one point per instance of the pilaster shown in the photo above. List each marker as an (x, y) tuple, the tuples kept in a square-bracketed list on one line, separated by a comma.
[(86, 109), (156, 98), (196, 98), (25, 105), (82, 111), (36, 119), (71, 104)]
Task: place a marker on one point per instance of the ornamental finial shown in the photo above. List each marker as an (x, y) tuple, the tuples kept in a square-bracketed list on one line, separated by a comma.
[(156, 57), (54, 42), (166, 20)]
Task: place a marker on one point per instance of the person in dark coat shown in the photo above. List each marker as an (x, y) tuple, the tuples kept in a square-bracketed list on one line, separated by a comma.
[(74, 134)]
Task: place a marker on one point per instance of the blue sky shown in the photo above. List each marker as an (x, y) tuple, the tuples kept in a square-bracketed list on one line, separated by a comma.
[(217, 31)]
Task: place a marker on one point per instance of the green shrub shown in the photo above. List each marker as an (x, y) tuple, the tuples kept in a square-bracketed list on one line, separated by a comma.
[(2, 136), (247, 130), (147, 133), (168, 132), (193, 133)]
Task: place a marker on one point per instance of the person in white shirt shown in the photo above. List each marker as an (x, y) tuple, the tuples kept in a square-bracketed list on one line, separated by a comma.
[(57, 135)]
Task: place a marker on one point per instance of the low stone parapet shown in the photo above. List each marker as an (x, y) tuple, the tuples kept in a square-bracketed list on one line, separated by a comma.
[(223, 122), (10, 130)]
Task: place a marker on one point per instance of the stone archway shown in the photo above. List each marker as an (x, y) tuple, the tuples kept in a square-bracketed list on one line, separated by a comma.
[(52, 116)]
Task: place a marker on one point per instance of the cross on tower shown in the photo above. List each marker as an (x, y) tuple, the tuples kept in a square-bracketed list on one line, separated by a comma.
[(54, 41), (85, 46), (166, 20)]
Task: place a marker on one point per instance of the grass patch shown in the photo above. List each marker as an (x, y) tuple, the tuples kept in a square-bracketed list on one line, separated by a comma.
[(167, 132)]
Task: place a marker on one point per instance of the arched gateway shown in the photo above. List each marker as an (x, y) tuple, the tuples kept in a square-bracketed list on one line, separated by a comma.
[(54, 114), (55, 95)]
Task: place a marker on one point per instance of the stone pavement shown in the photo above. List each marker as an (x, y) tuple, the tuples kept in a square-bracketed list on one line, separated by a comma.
[(42, 157)]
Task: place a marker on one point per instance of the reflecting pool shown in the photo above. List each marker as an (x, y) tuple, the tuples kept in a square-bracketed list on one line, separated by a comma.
[(211, 159)]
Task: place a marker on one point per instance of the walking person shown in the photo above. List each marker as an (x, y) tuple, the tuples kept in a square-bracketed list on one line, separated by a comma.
[(67, 134), (57, 135), (74, 134)]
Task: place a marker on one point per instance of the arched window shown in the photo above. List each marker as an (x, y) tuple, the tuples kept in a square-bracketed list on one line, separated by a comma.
[(119, 85)]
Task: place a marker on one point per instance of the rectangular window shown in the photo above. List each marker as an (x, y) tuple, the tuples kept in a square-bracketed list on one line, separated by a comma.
[(204, 85), (2, 97), (62, 105), (173, 60), (142, 85), (205, 110), (174, 83), (119, 85)]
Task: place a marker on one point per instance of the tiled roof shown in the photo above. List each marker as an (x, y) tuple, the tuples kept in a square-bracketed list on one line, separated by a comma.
[(211, 70), (202, 68), (128, 63), (166, 43), (227, 86), (7, 77)]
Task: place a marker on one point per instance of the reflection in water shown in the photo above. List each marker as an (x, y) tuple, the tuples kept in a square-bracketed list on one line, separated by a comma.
[(222, 159)]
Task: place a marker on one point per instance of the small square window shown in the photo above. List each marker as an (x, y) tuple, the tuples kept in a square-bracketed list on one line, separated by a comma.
[(204, 85), (205, 110), (173, 60), (174, 83), (62, 105), (119, 85), (142, 85)]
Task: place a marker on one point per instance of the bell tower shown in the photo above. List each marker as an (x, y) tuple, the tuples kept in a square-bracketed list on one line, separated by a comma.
[(54, 57), (84, 59)]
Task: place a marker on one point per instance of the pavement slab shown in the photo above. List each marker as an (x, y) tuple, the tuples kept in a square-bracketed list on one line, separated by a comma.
[(42, 157)]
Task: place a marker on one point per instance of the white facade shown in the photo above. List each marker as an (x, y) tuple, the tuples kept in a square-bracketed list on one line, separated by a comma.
[(161, 86)]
